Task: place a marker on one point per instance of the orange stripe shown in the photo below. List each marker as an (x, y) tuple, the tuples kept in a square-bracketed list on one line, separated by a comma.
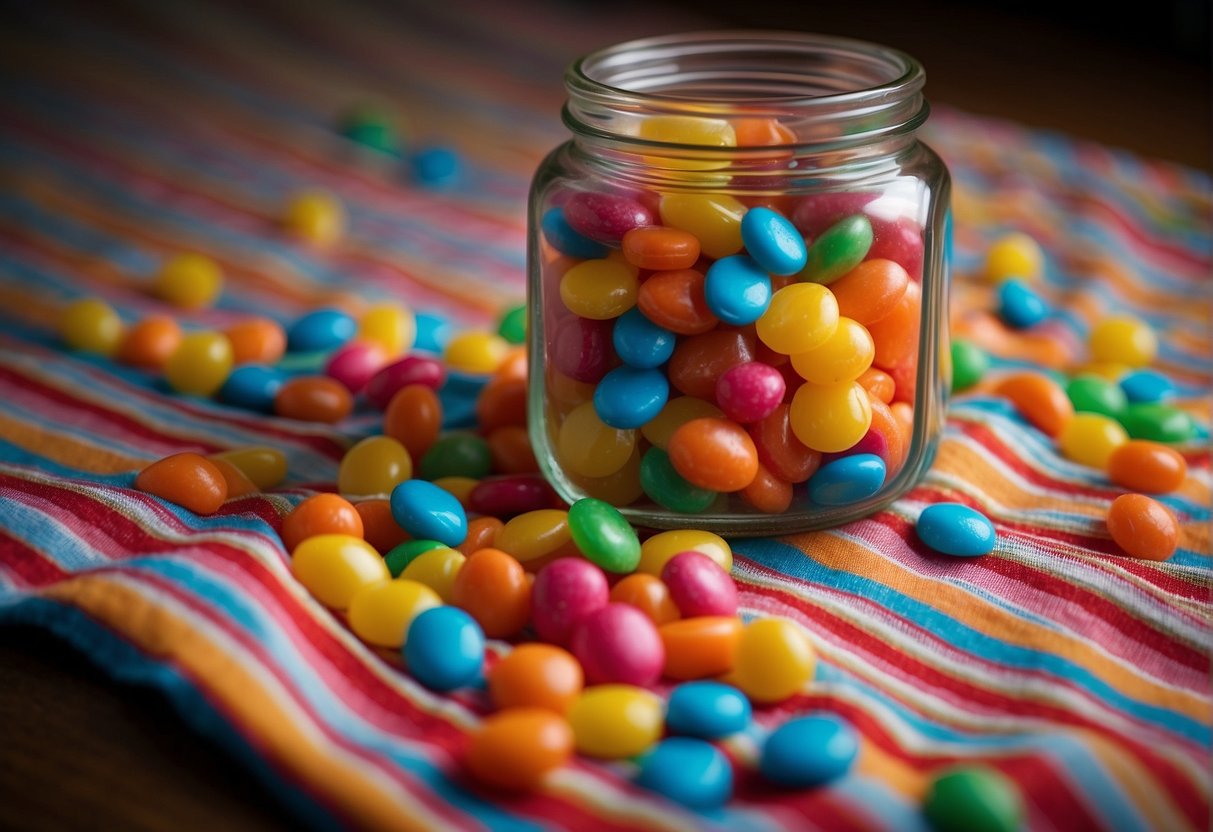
[(66, 450)]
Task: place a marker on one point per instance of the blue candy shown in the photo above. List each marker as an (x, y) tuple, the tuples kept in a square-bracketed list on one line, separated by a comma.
[(433, 332), (707, 710), (561, 236), (772, 240), (322, 329), (847, 480), (1019, 306), (957, 530), (436, 167), (809, 751), (689, 771), (1147, 386), (252, 387), (428, 512), (737, 289), (628, 397), (444, 649), (641, 343)]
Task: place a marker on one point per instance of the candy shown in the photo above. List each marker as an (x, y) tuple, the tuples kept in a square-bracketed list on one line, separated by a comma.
[(335, 567), (603, 535), (266, 467), (1143, 527), (148, 343), (482, 531), (698, 586), (969, 364), (437, 569), (1158, 422), (475, 352), (501, 402), (562, 237), (648, 594), (699, 361), (1014, 255), (1123, 339), (696, 130), (838, 249), (658, 248), (844, 356), (604, 217), (436, 167), (413, 417), (565, 592), (457, 454), (774, 660), (800, 317), (412, 369), (696, 648), (809, 751), (676, 300), (767, 493), (402, 554), (973, 799), (185, 479), (657, 550), (514, 749), (444, 649), (591, 448), (715, 219), (379, 527), (1143, 465), (315, 216), (188, 281), (773, 241), (380, 613), (510, 494), (618, 643), (320, 330), (1038, 398), (252, 387), (457, 486), (955, 529), (314, 399), (1019, 306), (1094, 394), (599, 289), (666, 487), (677, 412), (1146, 385), (641, 343), (749, 392), (426, 511), (627, 397), (707, 710), (533, 535), (493, 588), (780, 450), (870, 291), (615, 721), (895, 336), (374, 465), (256, 340), (847, 480), (200, 364), (716, 454), (581, 349), (687, 771), (1090, 438), (355, 364), (737, 289), (512, 325), (320, 514), (536, 676), (830, 418), (371, 127)]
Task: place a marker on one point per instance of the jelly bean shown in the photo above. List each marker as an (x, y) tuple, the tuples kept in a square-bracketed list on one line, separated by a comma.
[(616, 721), (389, 326), (617, 643), (957, 530), (413, 418), (698, 586), (581, 349), (374, 465), (621, 488), (562, 237), (847, 480), (1143, 527), (774, 660), (895, 336), (688, 771), (969, 364), (762, 132), (658, 549), (658, 248), (737, 289), (844, 356), (426, 511), (1093, 394), (666, 487), (973, 798), (322, 513), (482, 532), (150, 342), (628, 397), (700, 360), (252, 387), (380, 613), (870, 291), (1038, 398), (809, 751), (514, 366), (1123, 339), (1146, 385), (716, 454), (457, 486), (534, 534), (188, 281), (402, 554), (800, 317), (314, 399), (436, 569), (334, 568), (536, 676), (604, 217), (512, 453), (355, 364), (444, 649), (878, 383), (502, 401), (200, 364), (838, 249), (677, 412), (886, 437), (1014, 255), (707, 710), (648, 594), (696, 130), (1158, 422), (1109, 370), (772, 240), (475, 352), (315, 216), (457, 454), (900, 241), (599, 289), (256, 340), (696, 648), (510, 494), (780, 450), (814, 214), (767, 493), (321, 330), (830, 418), (1090, 438), (266, 467), (676, 300), (512, 325), (186, 479), (238, 485), (436, 167), (493, 588), (565, 592), (715, 219), (591, 448), (379, 527), (641, 343), (602, 534), (1019, 306), (1145, 465), (412, 369), (514, 749)]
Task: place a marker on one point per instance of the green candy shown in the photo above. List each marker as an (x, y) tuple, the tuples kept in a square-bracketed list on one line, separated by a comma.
[(1158, 422), (969, 363), (372, 128), (402, 554), (840, 248), (668, 488), (513, 325), (604, 535), (1093, 394), (458, 454), (973, 799)]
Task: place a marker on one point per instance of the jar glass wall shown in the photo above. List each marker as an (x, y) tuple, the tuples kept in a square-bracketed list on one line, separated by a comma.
[(738, 271)]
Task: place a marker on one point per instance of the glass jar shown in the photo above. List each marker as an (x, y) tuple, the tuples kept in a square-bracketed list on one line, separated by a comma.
[(738, 273)]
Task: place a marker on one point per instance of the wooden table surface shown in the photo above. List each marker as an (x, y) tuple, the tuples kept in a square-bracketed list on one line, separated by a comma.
[(78, 751)]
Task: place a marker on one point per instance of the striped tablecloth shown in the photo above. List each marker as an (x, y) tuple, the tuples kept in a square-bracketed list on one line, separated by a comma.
[(154, 128)]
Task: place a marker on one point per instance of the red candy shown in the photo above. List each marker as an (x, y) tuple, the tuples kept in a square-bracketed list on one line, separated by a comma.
[(412, 369), (510, 494), (700, 360), (780, 451), (582, 349), (605, 218)]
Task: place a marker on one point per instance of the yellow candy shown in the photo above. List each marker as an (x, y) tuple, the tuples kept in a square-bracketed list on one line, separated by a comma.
[(91, 325), (621, 488), (599, 289), (800, 317), (1104, 369), (1123, 339), (714, 218), (265, 467), (844, 356), (475, 352), (392, 327), (1014, 255), (774, 660), (315, 216), (658, 549), (200, 364), (190, 281), (615, 721), (436, 569), (459, 487), (334, 567), (589, 447), (534, 534), (1090, 438), (688, 130), (830, 418), (373, 467), (677, 412), (381, 613)]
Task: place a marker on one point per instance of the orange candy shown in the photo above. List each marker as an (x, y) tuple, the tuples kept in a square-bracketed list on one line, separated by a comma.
[(314, 399), (379, 526), (675, 300), (896, 334), (779, 450), (320, 514), (698, 362), (513, 749), (1144, 465), (238, 483), (716, 454), (1143, 527), (696, 648), (878, 383), (493, 588), (536, 675), (256, 341), (482, 531), (871, 291), (887, 425), (413, 417), (647, 593), (150, 342), (767, 493), (1038, 398), (761, 132), (511, 450), (502, 401), (660, 249), (186, 479)]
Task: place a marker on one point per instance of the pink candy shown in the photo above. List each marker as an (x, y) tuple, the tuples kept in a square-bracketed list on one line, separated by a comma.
[(750, 391), (582, 349), (354, 364), (698, 586), (509, 494), (605, 217), (412, 369), (619, 643), (565, 592)]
